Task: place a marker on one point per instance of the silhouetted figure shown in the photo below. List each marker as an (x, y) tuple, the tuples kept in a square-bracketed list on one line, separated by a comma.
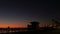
[(33, 26)]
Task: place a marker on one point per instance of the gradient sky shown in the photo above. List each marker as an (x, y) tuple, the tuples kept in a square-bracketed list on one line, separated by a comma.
[(17, 13)]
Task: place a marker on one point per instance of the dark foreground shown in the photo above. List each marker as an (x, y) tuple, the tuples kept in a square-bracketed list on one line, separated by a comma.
[(33, 32)]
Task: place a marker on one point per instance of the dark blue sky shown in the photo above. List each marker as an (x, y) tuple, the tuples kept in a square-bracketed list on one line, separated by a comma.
[(26, 11)]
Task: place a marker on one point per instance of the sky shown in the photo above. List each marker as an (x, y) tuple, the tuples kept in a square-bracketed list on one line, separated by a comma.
[(18, 13)]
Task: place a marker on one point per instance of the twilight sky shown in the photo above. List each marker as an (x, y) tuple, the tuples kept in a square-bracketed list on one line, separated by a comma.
[(16, 13)]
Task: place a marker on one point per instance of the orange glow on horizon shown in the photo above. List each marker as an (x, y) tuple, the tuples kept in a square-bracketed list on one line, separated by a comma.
[(19, 26), (13, 26)]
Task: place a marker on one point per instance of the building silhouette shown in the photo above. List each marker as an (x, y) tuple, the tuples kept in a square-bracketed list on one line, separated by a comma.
[(33, 25)]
